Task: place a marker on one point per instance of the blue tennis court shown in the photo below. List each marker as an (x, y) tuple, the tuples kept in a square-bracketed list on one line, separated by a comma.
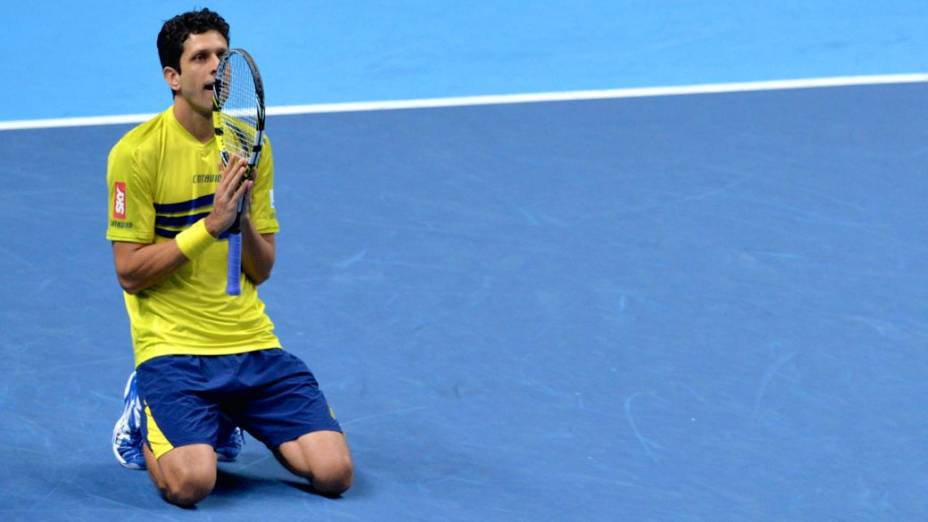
[(669, 308)]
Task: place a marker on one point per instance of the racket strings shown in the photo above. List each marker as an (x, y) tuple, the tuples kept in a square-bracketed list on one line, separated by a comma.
[(239, 113)]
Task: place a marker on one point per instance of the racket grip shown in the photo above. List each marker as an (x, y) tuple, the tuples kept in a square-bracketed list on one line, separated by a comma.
[(234, 268)]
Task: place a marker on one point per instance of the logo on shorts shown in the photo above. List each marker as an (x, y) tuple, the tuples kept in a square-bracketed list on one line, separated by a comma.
[(119, 200)]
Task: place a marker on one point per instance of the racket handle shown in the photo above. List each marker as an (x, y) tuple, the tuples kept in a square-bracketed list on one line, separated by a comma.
[(234, 268)]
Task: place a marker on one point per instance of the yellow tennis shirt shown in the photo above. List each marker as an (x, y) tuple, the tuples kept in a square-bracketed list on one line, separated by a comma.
[(161, 181)]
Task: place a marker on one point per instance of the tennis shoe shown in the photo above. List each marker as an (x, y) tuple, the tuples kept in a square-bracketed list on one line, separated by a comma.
[(127, 433), (227, 450)]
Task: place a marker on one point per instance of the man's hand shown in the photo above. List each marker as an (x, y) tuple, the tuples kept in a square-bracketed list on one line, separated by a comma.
[(232, 187)]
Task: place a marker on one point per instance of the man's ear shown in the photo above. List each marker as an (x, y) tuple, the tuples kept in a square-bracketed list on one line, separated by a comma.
[(172, 78)]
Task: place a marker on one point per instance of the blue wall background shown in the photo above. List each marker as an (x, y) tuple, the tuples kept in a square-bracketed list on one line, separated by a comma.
[(98, 58)]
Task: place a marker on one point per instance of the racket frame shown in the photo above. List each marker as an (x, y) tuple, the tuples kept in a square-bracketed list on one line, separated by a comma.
[(234, 265)]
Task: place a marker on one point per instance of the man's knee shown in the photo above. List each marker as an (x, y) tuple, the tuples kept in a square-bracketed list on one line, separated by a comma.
[(188, 474), (322, 457), (333, 478), (187, 486)]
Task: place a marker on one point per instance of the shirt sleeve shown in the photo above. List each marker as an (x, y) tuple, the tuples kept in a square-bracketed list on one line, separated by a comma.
[(263, 213), (131, 212)]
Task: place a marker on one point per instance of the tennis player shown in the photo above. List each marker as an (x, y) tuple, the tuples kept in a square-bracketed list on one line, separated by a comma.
[(206, 362)]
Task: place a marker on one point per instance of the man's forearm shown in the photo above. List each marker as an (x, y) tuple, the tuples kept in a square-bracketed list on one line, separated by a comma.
[(139, 266), (258, 252)]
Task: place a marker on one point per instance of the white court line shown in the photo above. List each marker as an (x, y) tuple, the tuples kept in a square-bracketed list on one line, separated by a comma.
[(500, 99)]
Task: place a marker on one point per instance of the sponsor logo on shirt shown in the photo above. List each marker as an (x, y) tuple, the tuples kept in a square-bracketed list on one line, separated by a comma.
[(206, 178), (119, 201)]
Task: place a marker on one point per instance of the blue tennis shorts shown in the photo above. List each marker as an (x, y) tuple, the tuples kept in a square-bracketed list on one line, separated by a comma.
[(191, 399)]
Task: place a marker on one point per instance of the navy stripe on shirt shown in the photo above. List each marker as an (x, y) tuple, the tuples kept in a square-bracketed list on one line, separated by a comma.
[(179, 221), (183, 206)]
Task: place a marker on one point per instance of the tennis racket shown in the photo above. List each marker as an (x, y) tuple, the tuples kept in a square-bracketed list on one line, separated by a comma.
[(238, 119)]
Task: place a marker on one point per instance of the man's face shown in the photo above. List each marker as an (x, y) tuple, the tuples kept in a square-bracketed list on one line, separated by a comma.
[(198, 65)]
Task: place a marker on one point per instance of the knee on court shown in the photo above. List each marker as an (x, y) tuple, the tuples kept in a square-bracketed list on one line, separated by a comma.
[(187, 490), (187, 485), (333, 478)]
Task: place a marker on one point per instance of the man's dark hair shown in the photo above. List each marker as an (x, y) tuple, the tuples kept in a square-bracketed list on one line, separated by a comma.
[(175, 31)]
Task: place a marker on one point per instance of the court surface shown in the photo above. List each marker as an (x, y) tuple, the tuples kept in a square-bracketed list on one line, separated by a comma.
[(674, 308)]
